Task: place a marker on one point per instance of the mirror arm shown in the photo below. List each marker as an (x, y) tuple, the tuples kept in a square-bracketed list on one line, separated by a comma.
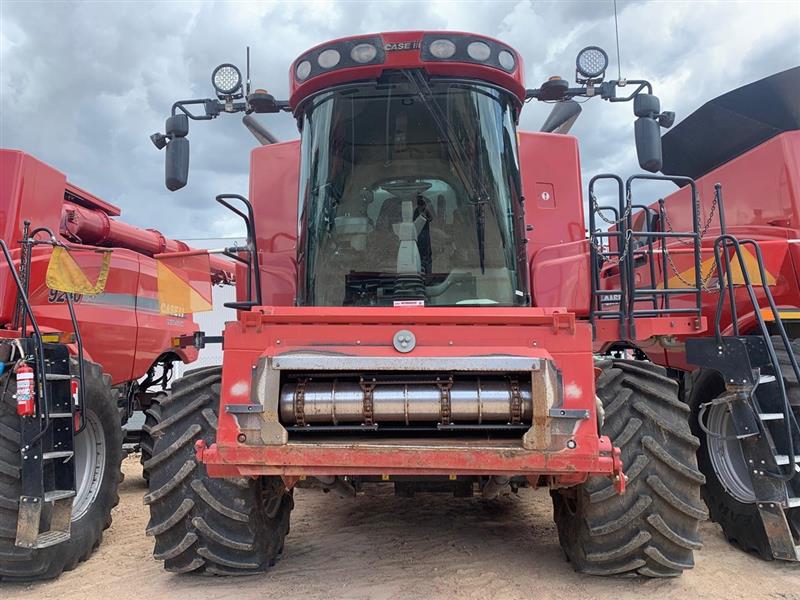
[(641, 83), (212, 108)]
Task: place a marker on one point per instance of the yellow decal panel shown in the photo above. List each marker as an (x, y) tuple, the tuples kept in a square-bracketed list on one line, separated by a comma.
[(184, 284), (65, 274)]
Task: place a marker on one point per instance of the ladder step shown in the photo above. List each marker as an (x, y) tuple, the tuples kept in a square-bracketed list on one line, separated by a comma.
[(54, 495), (770, 416), (766, 379), (57, 377), (57, 454), (783, 459), (51, 538), (60, 415), (794, 502)]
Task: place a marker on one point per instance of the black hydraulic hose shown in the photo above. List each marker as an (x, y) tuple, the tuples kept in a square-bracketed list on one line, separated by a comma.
[(44, 408), (79, 343)]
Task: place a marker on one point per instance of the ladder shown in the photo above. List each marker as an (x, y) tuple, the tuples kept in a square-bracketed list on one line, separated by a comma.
[(48, 455), (764, 421)]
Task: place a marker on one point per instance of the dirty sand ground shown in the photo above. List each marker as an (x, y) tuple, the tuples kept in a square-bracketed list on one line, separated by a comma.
[(379, 546)]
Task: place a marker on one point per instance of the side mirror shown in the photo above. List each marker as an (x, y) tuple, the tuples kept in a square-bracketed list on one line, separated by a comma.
[(176, 161), (176, 164), (648, 144), (177, 126)]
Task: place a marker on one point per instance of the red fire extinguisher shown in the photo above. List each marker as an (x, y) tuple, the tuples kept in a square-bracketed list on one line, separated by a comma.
[(25, 391)]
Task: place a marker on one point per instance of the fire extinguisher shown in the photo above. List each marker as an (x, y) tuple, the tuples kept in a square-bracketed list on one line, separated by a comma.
[(25, 391)]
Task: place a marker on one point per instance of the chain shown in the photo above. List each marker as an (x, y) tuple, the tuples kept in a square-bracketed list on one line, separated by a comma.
[(704, 279), (299, 402), (623, 219), (445, 401), (516, 402), (702, 230), (369, 406)]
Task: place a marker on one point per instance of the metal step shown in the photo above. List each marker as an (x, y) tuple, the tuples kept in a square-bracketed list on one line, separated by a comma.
[(783, 459), (57, 377), (51, 538), (57, 454), (60, 415), (770, 416), (793, 502), (766, 379), (54, 495)]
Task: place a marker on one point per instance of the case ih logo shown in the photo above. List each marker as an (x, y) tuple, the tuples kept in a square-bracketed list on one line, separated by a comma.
[(396, 46)]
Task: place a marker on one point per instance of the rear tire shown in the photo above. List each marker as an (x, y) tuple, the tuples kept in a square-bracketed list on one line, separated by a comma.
[(741, 522), (90, 516), (233, 526), (652, 529)]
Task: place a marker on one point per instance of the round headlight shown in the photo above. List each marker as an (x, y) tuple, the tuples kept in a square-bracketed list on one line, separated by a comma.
[(227, 79), (506, 60), (442, 48), (303, 70), (592, 62), (479, 51), (363, 53), (329, 58)]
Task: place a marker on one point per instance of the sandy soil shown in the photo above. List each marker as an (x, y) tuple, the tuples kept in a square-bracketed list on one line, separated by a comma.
[(379, 546)]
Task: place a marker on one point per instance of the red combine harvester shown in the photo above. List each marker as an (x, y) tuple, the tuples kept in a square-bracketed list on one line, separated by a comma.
[(66, 391), (408, 315), (755, 160)]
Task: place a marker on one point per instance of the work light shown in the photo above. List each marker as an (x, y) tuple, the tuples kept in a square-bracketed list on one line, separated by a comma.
[(363, 53), (479, 51), (506, 60), (592, 62), (442, 48), (227, 80), (303, 70), (329, 58)]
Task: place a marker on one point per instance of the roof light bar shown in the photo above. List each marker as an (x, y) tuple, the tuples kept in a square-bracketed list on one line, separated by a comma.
[(455, 47), (339, 55)]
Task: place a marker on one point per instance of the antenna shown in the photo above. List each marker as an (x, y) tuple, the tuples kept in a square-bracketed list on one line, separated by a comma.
[(247, 76), (616, 31)]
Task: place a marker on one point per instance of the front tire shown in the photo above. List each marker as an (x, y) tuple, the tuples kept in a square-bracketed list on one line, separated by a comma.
[(652, 529), (152, 417), (98, 456), (218, 526)]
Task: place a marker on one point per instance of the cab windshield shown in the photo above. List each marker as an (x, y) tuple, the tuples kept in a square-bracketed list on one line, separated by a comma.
[(409, 192)]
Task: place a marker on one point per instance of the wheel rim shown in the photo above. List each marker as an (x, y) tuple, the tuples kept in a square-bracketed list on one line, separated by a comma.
[(90, 464), (727, 457)]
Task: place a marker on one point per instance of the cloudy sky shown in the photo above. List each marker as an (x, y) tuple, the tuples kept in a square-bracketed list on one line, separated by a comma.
[(83, 84)]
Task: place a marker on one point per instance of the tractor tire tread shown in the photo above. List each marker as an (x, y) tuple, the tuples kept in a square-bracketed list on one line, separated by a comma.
[(652, 529), (205, 525)]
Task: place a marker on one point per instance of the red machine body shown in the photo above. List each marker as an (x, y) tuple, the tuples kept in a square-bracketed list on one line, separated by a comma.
[(123, 328), (554, 329)]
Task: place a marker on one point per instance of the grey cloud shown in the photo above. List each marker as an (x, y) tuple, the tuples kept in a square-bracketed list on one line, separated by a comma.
[(82, 85)]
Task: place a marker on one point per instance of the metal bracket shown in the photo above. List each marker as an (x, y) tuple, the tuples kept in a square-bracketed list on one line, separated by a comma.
[(28, 518), (265, 392), (568, 413), (235, 409), (544, 389)]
